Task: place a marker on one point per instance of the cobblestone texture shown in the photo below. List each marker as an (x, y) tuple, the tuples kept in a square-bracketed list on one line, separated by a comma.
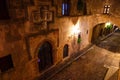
[(93, 65)]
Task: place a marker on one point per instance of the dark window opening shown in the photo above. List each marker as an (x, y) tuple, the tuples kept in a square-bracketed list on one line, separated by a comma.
[(65, 51), (6, 63), (66, 7), (45, 56), (106, 9), (81, 7), (4, 14)]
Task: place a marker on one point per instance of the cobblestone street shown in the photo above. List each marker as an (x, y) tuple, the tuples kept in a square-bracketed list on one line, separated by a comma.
[(97, 64), (112, 43)]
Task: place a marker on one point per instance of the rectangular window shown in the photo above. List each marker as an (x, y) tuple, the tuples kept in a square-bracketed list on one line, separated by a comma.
[(106, 9), (4, 10), (65, 8), (80, 5), (6, 63)]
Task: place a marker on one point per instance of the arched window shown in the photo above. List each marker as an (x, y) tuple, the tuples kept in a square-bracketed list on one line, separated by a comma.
[(65, 51), (45, 56), (66, 7), (4, 10)]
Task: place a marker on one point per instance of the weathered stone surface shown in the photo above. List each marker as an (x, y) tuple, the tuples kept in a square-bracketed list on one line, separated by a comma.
[(89, 66), (21, 37)]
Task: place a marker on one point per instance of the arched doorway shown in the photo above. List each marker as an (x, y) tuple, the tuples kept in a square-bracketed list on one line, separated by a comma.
[(65, 51), (97, 32), (45, 56)]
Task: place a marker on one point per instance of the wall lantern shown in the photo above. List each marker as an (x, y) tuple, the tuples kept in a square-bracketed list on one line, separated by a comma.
[(108, 25), (76, 29), (76, 32)]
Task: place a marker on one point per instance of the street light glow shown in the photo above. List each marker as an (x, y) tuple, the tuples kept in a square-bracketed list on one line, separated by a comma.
[(107, 24), (76, 28)]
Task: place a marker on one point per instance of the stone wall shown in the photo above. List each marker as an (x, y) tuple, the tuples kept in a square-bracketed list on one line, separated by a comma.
[(97, 6), (22, 35)]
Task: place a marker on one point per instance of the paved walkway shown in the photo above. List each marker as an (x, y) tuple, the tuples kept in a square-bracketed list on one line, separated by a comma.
[(112, 43), (92, 66), (99, 63)]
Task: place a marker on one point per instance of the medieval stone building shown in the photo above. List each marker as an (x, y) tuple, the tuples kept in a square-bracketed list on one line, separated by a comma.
[(37, 35)]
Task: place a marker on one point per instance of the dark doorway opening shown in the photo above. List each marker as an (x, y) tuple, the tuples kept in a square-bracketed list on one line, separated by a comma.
[(65, 51), (97, 33), (45, 56)]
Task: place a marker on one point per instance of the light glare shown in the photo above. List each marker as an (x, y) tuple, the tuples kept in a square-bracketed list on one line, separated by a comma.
[(107, 24)]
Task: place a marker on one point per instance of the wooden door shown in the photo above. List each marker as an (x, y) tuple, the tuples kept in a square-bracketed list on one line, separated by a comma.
[(45, 56)]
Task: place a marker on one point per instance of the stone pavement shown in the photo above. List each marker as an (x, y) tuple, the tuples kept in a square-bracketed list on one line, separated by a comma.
[(112, 43), (94, 63), (97, 63), (57, 68), (92, 66)]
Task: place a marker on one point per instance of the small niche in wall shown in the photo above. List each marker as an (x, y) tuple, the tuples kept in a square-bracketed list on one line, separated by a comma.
[(6, 63), (87, 32)]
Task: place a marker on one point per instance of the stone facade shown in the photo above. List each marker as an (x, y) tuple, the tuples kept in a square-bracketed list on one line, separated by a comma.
[(28, 28)]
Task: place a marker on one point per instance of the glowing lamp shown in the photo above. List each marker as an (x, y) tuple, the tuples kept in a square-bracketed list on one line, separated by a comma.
[(76, 28), (108, 25)]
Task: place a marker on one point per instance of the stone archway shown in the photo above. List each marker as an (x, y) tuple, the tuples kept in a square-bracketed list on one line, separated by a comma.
[(101, 31), (97, 32), (45, 59)]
